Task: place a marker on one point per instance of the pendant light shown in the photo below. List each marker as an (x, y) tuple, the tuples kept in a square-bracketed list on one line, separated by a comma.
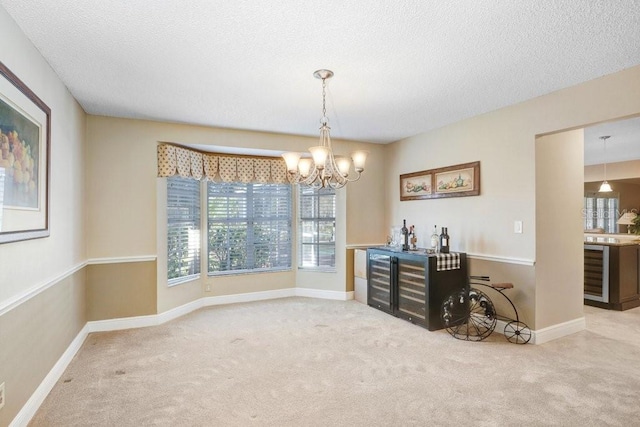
[(605, 187)]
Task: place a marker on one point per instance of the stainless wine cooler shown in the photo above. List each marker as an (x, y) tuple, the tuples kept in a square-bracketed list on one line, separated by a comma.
[(596, 273)]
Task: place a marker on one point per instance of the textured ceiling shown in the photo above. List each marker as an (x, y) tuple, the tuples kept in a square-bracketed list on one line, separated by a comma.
[(401, 67)]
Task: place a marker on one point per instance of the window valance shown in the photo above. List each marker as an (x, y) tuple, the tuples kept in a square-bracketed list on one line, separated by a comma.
[(187, 163)]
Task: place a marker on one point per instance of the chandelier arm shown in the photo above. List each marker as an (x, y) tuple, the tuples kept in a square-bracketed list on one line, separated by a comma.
[(337, 186)]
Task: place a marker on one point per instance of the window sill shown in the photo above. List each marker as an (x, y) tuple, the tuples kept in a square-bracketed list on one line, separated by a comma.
[(245, 272), (318, 269), (182, 280)]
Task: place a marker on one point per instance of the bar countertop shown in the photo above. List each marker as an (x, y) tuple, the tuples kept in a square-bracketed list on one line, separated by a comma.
[(611, 239)]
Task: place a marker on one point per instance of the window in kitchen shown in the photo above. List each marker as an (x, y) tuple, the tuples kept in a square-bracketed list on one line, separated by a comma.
[(601, 212)]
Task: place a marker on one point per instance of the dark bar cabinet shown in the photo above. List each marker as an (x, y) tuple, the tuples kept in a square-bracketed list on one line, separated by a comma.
[(408, 285)]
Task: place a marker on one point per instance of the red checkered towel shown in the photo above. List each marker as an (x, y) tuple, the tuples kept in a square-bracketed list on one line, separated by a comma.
[(449, 261)]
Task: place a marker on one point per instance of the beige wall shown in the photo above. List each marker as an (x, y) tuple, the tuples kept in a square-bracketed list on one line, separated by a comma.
[(121, 210), (504, 141), (559, 290), (35, 333), (522, 276), (65, 248), (126, 202), (617, 170), (629, 199)]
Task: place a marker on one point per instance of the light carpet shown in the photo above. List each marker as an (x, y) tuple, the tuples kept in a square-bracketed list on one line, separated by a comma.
[(310, 362)]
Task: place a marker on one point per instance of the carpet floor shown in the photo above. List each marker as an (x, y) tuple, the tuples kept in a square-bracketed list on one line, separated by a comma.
[(311, 362)]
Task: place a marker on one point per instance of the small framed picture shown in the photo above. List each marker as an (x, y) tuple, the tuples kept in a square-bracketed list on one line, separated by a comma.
[(415, 186), (457, 181)]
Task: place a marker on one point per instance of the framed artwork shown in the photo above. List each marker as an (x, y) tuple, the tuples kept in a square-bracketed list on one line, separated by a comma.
[(451, 181), (415, 186), (457, 181), (25, 146)]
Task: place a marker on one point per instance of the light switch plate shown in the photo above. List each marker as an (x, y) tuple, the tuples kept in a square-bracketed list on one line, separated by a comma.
[(517, 227)]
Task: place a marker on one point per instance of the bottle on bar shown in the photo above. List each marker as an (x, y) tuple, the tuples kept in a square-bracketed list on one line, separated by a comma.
[(444, 241), (404, 231), (435, 239), (413, 239)]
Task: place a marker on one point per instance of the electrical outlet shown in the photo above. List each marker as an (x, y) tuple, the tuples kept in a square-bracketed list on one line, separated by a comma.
[(2, 397), (517, 227)]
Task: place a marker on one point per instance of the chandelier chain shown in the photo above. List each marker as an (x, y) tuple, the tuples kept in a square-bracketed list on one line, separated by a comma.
[(324, 94)]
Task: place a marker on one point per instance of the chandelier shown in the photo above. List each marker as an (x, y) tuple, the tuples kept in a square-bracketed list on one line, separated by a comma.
[(322, 169)]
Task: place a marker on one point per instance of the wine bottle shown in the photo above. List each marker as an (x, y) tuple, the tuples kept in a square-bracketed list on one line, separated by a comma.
[(413, 238), (405, 233), (435, 239), (444, 241)]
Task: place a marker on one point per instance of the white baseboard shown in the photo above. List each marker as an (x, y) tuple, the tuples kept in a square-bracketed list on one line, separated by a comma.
[(248, 297), (122, 323), (174, 313), (560, 330), (319, 293), (550, 333), (29, 409)]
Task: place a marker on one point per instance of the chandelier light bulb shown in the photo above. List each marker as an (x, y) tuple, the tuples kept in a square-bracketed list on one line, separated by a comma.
[(344, 164), (319, 154), (304, 167), (291, 159), (359, 158)]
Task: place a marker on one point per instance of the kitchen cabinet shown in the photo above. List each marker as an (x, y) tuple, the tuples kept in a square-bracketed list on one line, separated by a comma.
[(408, 284)]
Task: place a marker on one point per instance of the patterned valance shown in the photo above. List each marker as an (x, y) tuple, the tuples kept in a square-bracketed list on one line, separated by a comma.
[(187, 163)]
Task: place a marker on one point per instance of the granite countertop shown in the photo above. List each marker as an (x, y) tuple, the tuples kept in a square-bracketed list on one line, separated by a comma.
[(611, 239)]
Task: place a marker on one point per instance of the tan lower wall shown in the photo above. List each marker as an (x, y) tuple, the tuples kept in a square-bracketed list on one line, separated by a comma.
[(523, 293), (350, 272), (34, 335), (121, 290)]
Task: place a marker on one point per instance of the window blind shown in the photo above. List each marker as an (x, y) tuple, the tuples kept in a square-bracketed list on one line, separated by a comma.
[(183, 228), (317, 225), (249, 226), (601, 212)]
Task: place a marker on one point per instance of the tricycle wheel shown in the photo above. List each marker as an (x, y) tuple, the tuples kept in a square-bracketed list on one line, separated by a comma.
[(517, 332)]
